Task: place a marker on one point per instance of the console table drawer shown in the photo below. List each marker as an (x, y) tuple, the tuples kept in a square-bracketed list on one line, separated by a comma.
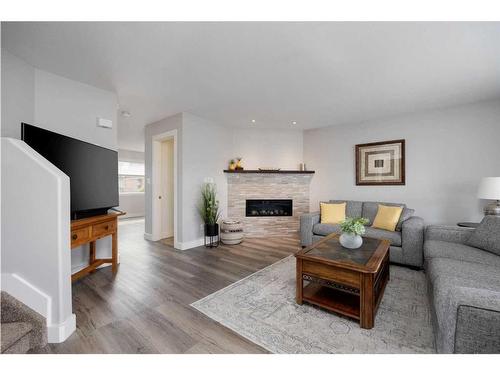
[(79, 236), (103, 229)]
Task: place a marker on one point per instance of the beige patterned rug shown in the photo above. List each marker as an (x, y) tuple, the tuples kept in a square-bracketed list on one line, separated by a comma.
[(262, 308)]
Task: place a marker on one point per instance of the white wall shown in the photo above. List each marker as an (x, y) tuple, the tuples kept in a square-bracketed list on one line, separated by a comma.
[(18, 95), (36, 257), (72, 108), (61, 105), (280, 148), (447, 153), (205, 151), (131, 203)]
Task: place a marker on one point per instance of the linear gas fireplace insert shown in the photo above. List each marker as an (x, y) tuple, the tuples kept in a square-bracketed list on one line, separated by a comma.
[(269, 207)]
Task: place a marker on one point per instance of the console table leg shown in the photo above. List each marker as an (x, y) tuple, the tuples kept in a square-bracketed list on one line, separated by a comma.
[(114, 252), (92, 254)]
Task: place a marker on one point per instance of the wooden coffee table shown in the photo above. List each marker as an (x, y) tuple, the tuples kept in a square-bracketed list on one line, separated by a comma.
[(345, 281)]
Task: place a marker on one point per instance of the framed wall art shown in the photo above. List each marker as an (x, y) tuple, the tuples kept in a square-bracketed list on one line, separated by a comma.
[(381, 163)]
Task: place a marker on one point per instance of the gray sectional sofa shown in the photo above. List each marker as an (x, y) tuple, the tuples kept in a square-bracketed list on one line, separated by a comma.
[(464, 288), (406, 242)]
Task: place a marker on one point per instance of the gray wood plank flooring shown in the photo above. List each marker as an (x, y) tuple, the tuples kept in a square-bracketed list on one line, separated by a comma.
[(145, 308)]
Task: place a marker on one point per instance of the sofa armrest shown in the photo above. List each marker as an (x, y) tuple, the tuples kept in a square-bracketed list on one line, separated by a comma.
[(307, 222), (478, 330), (412, 241), (448, 233)]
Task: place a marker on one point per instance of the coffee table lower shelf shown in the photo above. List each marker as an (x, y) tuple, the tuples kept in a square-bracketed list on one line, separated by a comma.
[(332, 299)]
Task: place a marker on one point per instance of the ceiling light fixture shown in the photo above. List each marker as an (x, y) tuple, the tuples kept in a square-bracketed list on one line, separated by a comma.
[(253, 121), (294, 122)]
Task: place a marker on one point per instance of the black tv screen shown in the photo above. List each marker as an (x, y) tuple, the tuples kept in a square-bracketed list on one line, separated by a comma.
[(93, 170)]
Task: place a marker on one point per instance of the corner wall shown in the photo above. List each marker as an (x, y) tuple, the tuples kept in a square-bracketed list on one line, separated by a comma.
[(448, 151), (58, 104)]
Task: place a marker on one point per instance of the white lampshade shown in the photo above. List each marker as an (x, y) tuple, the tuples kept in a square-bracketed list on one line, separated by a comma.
[(489, 188)]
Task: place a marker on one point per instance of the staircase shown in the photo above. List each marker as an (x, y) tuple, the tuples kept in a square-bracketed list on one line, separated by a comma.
[(22, 329)]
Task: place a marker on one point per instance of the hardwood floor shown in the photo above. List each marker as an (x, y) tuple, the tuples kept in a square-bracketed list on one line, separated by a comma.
[(145, 308)]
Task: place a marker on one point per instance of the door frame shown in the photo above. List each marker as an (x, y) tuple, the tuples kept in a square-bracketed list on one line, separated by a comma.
[(156, 231)]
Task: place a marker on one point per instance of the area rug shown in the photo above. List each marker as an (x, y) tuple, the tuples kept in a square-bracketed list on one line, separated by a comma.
[(262, 309)]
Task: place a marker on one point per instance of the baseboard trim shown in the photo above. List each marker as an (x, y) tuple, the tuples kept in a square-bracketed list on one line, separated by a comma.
[(57, 333), (131, 216), (35, 299), (27, 293), (189, 245), (177, 244)]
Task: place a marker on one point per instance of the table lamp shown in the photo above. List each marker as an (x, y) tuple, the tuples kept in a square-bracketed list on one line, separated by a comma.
[(489, 188)]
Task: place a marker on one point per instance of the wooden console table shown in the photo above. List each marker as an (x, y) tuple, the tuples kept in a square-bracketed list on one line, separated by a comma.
[(88, 231)]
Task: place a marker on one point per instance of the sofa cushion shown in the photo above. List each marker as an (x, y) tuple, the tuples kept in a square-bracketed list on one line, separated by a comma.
[(326, 229), (387, 217), (332, 213), (458, 251), (405, 215), (353, 208), (370, 209), (394, 237), (478, 275), (487, 235)]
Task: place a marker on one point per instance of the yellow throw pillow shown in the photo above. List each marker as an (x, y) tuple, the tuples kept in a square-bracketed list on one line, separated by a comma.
[(387, 217), (332, 213)]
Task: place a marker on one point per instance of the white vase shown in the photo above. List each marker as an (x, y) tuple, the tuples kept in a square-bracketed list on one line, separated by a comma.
[(351, 241)]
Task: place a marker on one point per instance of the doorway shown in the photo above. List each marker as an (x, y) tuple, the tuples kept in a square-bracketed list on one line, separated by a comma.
[(164, 187)]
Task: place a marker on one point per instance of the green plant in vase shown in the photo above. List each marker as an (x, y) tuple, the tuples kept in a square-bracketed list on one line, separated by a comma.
[(352, 228), (209, 209)]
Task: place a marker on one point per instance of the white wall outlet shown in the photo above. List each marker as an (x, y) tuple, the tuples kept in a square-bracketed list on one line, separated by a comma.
[(104, 123)]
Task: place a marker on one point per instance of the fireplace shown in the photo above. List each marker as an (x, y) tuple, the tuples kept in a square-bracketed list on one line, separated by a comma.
[(269, 207)]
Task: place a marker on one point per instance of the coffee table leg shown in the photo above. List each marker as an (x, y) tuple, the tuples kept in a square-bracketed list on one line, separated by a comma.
[(300, 283), (367, 303)]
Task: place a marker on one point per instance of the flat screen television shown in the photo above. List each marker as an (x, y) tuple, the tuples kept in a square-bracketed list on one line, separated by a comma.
[(92, 170)]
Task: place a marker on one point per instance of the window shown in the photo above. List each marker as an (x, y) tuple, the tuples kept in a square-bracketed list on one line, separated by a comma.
[(130, 177)]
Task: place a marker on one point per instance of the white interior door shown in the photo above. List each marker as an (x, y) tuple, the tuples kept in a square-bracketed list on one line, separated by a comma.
[(167, 188)]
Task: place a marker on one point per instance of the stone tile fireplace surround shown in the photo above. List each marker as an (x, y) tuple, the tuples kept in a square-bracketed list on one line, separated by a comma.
[(256, 185)]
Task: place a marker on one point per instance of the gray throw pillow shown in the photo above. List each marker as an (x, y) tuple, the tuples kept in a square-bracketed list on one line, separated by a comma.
[(487, 235), (405, 215)]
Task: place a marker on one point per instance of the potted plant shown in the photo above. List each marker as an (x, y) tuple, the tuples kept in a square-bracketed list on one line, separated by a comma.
[(209, 209), (352, 228)]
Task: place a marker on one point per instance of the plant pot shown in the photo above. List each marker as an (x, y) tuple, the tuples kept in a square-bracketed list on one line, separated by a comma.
[(350, 241), (211, 230)]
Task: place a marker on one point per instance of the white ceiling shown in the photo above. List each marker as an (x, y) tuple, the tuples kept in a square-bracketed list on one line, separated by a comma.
[(317, 74)]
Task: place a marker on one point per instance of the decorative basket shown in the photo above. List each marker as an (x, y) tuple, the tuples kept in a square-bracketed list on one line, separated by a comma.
[(231, 232)]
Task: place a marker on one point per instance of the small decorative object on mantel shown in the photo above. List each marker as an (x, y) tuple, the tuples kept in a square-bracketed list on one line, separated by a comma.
[(489, 188), (302, 167), (352, 228), (210, 214), (381, 163), (232, 165), (269, 169), (239, 166)]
